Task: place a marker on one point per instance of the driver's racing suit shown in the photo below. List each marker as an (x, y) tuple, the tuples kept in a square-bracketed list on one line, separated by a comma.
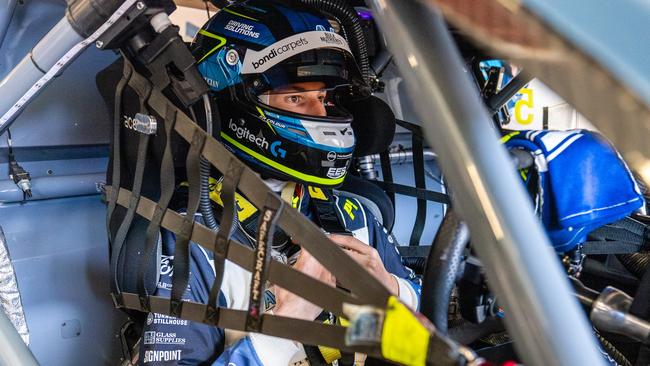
[(168, 340)]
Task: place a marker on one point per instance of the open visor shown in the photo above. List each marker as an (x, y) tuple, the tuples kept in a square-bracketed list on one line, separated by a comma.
[(308, 99)]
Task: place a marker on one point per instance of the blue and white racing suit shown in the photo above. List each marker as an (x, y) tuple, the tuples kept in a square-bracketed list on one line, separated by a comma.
[(171, 341)]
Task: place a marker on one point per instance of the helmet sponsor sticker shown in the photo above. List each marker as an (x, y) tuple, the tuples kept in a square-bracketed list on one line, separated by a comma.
[(162, 356), (277, 151), (244, 133), (161, 319), (337, 172), (153, 337), (260, 61), (242, 28)]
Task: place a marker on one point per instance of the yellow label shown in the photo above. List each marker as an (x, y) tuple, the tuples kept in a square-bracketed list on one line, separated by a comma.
[(215, 191), (317, 193), (343, 322), (525, 102), (244, 208), (349, 207), (403, 339), (329, 354)]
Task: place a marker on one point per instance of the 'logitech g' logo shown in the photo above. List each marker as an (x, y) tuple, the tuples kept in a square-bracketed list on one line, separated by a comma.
[(244, 133), (277, 151), (331, 156)]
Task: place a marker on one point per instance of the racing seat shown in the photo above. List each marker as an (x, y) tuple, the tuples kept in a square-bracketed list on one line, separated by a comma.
[(374, 129)]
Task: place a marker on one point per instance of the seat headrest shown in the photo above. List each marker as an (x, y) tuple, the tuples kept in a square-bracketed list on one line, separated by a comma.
[(373, 124)]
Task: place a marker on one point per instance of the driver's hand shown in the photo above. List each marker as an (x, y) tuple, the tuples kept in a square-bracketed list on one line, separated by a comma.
[(368, 258), (293, 306)]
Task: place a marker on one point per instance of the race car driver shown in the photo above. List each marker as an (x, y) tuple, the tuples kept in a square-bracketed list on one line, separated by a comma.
[(277, 71)]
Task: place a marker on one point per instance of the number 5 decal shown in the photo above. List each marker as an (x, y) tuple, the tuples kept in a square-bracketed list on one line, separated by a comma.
[(526, 101)]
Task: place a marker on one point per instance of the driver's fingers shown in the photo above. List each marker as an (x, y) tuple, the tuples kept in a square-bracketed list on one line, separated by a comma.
[(360, 258), (309, 265), (352, 243)]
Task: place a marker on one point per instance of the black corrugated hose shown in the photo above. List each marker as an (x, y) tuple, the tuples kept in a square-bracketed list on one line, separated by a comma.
[(442, 268), (205, 206), (349, 20), (415, 263), (611, 350), (636, 263)]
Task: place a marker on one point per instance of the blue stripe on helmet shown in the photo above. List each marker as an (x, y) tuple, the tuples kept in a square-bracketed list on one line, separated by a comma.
[(303, 140), (303, 22)]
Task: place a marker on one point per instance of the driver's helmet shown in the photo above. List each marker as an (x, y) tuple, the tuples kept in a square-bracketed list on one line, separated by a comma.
[(254, 52)]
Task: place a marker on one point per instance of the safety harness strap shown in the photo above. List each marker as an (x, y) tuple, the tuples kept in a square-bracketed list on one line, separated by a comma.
[(222, 239), (612, 247), (387, 173), (327, 214), (122, 231), (418, 171), (143, 89), (117, 153), (180, 278), (621, 237), (413, 192), (627, 229), (268, 217), (167, 185)]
